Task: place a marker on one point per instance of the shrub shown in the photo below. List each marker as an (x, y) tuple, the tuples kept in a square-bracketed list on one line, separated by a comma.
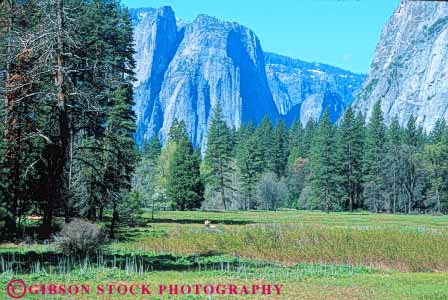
[(79, 238)]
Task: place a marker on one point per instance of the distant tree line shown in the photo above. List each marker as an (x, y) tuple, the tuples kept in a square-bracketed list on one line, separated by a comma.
[(352, 165), (66, 131)]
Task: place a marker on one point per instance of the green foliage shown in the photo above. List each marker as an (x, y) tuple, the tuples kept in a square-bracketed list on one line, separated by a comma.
[(184, 186), (249, 161), (346, 166), (67, 106), (152, 149), (178, 131), (296, 133), (436, 163), (394, 161), (67, 149), (325, 178), (438, 131), (280, 150), (349, 156), (218, 157), (147, 188), (308, 137), (120, 154), (373, 161)]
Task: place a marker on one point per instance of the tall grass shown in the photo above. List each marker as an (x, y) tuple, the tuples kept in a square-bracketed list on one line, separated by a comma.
[(136, 266), (401, 249)]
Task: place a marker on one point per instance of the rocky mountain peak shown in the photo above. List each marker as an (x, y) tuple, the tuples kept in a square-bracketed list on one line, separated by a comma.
[(409, 71), (185, 69)]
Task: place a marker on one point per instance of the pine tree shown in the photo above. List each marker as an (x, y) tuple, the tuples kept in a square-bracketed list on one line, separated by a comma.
[(184, 185), (308, 137), (295, 141), (436, 160), (178, 131), (360, 128), (218, 156), (144, 184), (249, 161), (410, 133), (163, 172), (5, 211), (152, 149), (350, 156), (374, 159), (438, 131), (18, 67), (120, 154), (393, 160), (65, 64), (280, 149), (325, 178), (265, 134), (413, 140)]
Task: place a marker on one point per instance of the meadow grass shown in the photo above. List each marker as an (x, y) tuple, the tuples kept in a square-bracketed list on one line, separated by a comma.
[(302, 217), (314, 255), (382, 241), (363, 286)]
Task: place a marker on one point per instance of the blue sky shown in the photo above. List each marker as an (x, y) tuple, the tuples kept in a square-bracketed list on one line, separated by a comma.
[(343, 33)]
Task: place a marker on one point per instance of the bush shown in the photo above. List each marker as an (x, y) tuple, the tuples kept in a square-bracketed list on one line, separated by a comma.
[(79, 238)]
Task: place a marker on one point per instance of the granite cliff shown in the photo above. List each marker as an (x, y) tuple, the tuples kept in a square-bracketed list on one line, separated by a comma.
[(409, 71), (185, 69)]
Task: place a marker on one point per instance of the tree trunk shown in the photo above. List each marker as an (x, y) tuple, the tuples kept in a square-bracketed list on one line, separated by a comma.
[(113, 221), (91, 213), (350, 201), (47, 223), (152, 211), (58, 153), (60, 96), (9, 45), (101, 212), (11, 122), (61, 106)]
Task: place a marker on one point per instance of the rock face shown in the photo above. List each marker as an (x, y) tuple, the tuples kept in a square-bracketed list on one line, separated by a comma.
[(293, 81), (409, 72), (156, 40), (185, 69)]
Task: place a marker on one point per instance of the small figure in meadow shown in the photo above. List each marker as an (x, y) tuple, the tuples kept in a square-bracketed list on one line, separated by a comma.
[(208, 225)]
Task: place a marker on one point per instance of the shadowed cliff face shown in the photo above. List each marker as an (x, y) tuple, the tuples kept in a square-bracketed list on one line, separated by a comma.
[(409, 71), (156, 38), (185, 69)]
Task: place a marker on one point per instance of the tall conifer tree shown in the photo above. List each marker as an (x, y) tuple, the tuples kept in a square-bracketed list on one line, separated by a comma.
[(374, 159), (218, 157), (184, 186), (350, 156), (325, 178)]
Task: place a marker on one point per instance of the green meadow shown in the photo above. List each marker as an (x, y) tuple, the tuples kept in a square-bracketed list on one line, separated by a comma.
[(313, 255)]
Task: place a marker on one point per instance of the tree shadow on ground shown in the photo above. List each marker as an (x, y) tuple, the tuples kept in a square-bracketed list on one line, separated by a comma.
[(24, 263)]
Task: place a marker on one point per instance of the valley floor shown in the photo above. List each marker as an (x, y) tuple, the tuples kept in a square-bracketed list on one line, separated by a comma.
[(313, 255)]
